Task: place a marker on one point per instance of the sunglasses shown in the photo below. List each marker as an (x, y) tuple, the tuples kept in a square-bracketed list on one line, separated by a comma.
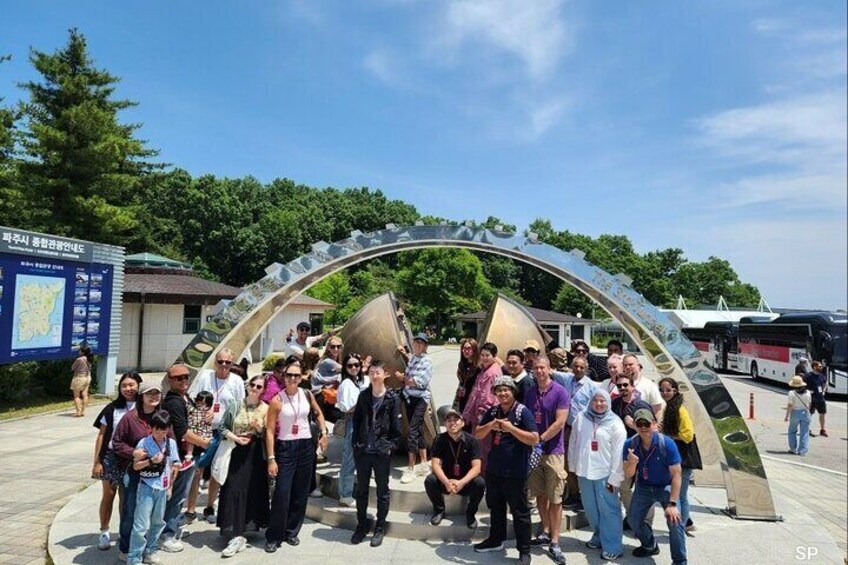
[(666, 390), (622, 385), (179, 378), (643, 424), (353, 365), (335, 346), (224, 363), (581, 351), (293, 375), (257, 386)]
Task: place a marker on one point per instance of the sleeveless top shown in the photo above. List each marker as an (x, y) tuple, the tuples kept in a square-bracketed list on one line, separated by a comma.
[(293, 419)]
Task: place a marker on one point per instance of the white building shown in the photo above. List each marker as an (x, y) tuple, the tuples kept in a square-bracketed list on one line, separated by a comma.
[(561, 327)]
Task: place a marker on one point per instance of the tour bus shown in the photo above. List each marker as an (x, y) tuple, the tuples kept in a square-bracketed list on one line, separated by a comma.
[(772, 350), (716, 341)]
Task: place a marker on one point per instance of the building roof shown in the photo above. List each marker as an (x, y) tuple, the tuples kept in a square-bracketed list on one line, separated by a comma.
[(542, 316), (306, 300), (174, 289), (153, 260), (697, 318)]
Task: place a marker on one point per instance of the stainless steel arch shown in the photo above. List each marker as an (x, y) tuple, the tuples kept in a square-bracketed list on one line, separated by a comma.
[(726, 441)]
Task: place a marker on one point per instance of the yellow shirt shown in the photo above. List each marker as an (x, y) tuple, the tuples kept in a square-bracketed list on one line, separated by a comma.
[(686, 428)]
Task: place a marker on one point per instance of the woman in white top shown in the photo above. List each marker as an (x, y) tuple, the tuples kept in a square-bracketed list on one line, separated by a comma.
[(798, 416), (594, 454), (290, 457), (353, 382)]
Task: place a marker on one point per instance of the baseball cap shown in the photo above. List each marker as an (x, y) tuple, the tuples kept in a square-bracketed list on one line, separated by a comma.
[(304, 326), (421, 336), (532, 344), (453, 412), (149, 386), (644, 414), (504, 381)]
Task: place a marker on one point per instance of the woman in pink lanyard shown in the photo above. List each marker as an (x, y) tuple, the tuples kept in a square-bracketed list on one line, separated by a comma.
[(290, 454)]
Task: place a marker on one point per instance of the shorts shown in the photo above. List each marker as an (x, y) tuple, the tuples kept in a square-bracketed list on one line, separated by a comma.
[(819, 406), (80, 383), (112, 470), (548, 478)]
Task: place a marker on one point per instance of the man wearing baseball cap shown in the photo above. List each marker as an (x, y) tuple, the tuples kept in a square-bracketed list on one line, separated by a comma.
[(456, 470), (514, 434), (654, 460), (531, 351), (296, 345)]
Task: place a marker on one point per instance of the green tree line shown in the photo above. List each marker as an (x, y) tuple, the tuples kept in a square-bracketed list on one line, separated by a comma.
[(70, 165)]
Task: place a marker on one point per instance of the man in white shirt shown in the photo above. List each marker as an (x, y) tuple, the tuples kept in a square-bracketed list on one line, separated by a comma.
[(298, 345), (227, 389), (648, 389)]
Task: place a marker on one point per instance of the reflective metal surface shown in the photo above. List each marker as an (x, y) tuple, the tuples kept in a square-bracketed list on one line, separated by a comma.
[(509, 325), (728, 442)]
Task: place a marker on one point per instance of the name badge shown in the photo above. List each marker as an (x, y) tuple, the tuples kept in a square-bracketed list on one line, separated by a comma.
[(497, 438), (538, 417), (295, 427), (216, 407), (456, 471), (645, 472), (166, 479), (594, 444)]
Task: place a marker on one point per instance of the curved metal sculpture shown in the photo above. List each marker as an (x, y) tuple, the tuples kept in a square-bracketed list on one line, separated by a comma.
[(727, 440), (509, 325)]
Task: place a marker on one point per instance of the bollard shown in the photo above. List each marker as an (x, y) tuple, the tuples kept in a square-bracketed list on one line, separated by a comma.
[(751, 407)]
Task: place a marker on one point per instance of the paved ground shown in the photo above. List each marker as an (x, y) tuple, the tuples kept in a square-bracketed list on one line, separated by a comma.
[(47, 461)]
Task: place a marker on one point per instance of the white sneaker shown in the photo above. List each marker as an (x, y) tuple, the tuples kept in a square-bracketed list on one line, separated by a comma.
[(104, 540), (236, 545), (423, 469), (408, 476), (348, 501), (171, 545), (316, 493), (152, 559)]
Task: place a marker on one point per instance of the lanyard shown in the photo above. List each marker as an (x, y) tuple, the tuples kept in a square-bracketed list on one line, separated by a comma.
[(218, 388), (296, 409), (644, 460), (455, 453)]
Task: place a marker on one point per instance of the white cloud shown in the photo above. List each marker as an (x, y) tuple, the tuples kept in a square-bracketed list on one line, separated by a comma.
[(383, 65)]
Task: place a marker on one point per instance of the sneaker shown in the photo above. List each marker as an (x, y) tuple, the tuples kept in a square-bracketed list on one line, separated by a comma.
[(812, 434), (437, 518), (592, 545), (122, 557), (471, 522), (348, 501), (236, 545), (607, 556), (271, 546), (358, 535), (104, 540), (423, 469), (646, 551), (190, 517), (690, 525), (790, 452), (171, 545), (555, 551), (408, 476), (823, 433), (488, 545), (317, 493), (152, 559), (542, 539), (209, 514), (293, 541), (524, 559), (377, 538)]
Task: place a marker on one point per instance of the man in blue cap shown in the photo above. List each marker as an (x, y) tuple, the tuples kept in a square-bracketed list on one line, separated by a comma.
[(416, 395)]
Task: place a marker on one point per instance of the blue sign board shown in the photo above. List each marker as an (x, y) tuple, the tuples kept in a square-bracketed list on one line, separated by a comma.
[(50, 306)]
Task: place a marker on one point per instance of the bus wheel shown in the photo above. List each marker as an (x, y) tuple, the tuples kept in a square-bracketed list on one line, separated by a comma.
[(754, 374)]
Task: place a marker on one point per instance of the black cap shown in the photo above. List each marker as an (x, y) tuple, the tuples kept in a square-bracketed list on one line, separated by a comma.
[(304, 326)]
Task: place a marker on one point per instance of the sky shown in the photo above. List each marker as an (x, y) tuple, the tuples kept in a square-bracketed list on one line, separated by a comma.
[(718, 127)]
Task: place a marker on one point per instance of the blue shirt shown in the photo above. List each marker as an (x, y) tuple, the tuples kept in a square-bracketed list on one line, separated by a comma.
[(509, 458), (652, 461), (172, 457), (580, 393), (816, 383)]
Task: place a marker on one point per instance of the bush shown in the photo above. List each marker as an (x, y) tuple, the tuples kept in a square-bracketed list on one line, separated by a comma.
[(16, 381), (268, 363)]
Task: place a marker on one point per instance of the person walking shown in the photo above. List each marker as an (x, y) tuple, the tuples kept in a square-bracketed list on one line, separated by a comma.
[(654, 460), (456, 470), (376, 434), (290, 454), (677, 424), (243, 504), (107, 466), (513, 434), (81, 368), (798, 415), (595, 456), (817, 385)]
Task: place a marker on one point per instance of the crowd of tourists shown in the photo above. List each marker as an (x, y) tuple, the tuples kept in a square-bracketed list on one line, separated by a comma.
[(531, 430)]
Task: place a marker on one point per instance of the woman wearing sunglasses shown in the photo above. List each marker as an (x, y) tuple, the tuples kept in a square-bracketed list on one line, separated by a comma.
[(677, 424), (243, 504), (354, 381), (327, 376)]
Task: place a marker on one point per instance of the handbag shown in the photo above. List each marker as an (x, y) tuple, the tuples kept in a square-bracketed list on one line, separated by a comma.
[(221, 462), (206, 457), (690, 455), (330, 395)]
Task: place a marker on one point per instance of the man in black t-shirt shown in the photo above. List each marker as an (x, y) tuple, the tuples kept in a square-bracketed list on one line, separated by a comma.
[(456, 470)]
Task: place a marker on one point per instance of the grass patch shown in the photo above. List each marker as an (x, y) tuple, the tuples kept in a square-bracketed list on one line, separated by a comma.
[(38, 405)]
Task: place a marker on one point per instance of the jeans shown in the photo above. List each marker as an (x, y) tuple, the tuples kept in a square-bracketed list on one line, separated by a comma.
[(683, 503), (174, 508), (644, 498), (501, 492), (291, 492), (381, 465), (603, 513), (473, 490), (148, 523), (347, 473), (799, 419), (127, 511)]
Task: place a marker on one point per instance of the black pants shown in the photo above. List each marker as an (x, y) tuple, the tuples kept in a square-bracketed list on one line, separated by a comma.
[(380, 464), (291, 492), (416, 409), (436, 493), (513, 492)]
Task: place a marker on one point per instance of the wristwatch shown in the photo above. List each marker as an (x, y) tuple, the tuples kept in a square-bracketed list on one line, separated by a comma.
[(672, 503), (269, 457)]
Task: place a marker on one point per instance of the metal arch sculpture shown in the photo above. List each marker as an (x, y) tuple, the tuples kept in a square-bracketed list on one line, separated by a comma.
[(726, 441)]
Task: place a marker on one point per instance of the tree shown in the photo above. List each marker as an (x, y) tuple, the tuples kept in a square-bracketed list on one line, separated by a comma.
[(82, 167), (11, 198)]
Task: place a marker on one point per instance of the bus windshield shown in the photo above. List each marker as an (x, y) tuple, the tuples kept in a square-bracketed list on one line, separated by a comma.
[(840, 349)]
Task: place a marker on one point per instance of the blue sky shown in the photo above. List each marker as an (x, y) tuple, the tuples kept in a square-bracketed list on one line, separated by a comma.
[(718, 127)]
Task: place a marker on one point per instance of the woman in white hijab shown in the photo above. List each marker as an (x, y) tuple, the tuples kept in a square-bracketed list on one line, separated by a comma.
[(595, 455)]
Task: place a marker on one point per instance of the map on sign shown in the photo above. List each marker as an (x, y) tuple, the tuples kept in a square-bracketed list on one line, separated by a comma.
[(38, 312)]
